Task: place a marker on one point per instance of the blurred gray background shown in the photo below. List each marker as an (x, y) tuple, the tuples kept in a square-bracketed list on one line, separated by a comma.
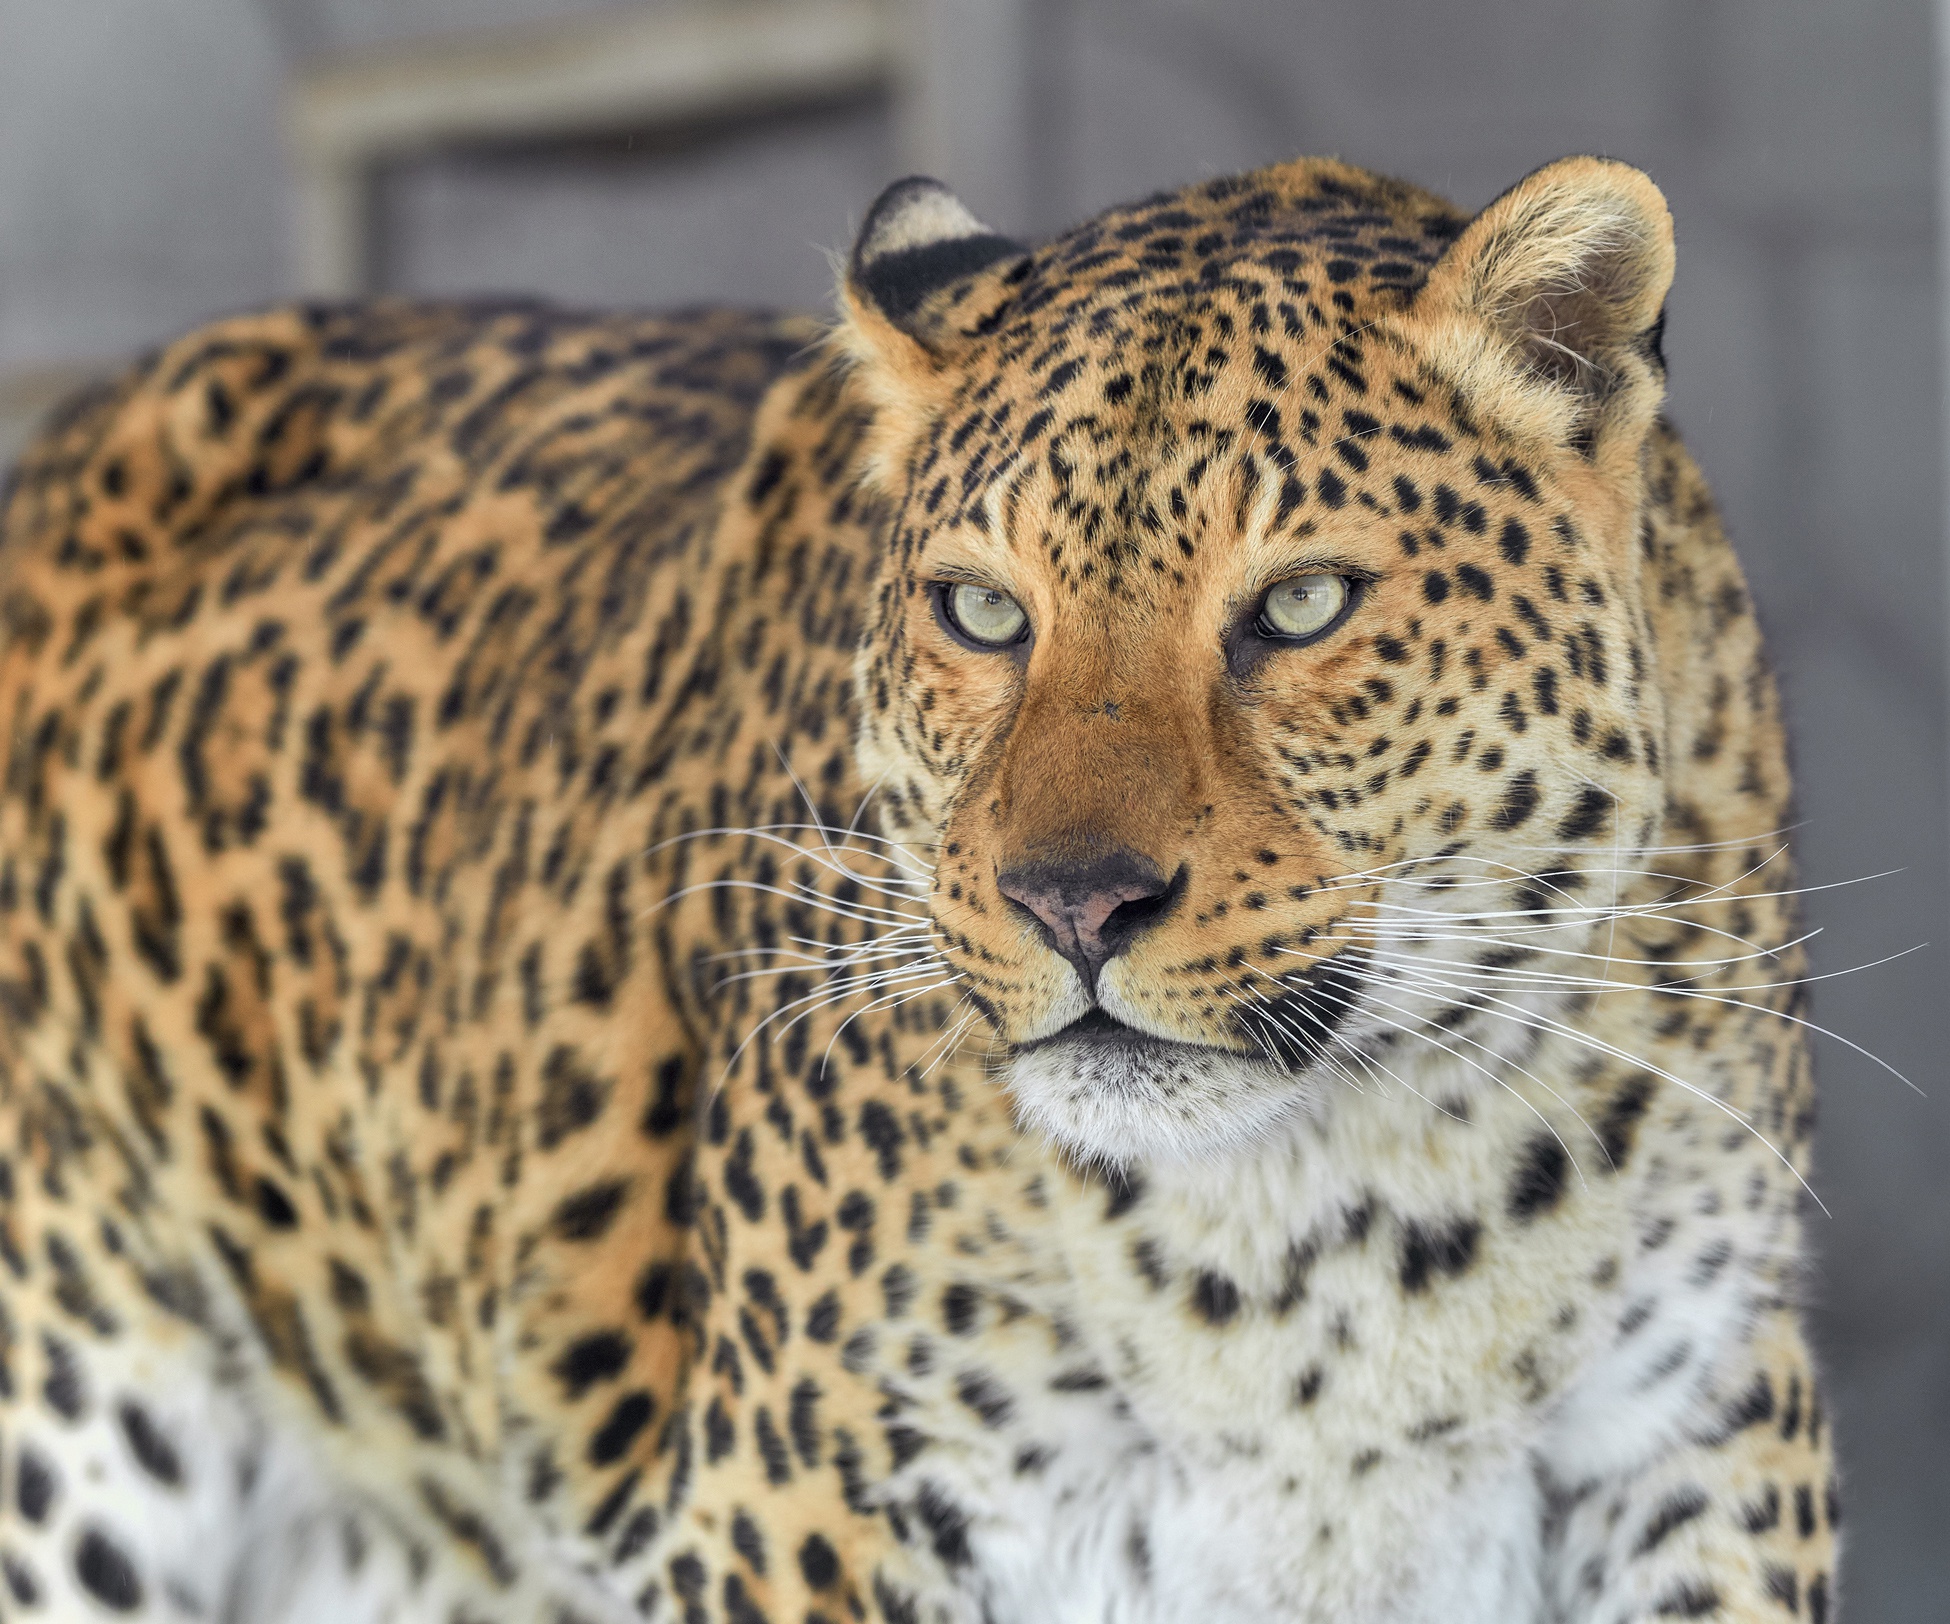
[(145, 185)]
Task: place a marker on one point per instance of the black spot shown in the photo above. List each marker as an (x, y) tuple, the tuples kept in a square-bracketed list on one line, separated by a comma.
[(666, 1113), (740, 1182), (613, 1505), (21, 1583), (896, 1605), (596, 1358), (771, 1447), (1618, 1127), (619, 1430), (897, 1288), (881, 1129), (1215, 1297), (947, 1525), (154, 1453), (1062, 376), (33, 1484), (1764, 1513), (1429, 1249), (653, 1289), (1475, 582), (1539, 1184), (960, 1304), (106, 1573), (823, 1318), (1520, 799), (1675, 1511), (766, 476), (1753, 1406), (274, 1206), (904, 1444), (1587, 817), (573, 1096), (720, 1432), (981, 1394), (587, 1215), (1514, 543), (802, 1420), (818, 1562), (1126, 1189), (63, 1388), (1688, 1600), (748, 1542)]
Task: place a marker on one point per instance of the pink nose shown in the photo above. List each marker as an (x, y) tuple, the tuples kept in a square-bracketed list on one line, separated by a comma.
[(1090, 911)]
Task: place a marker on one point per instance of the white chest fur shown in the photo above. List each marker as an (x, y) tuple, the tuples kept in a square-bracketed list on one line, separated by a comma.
[(1343, 1377)]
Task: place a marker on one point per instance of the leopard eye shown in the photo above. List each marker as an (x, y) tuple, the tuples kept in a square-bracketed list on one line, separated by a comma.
[(982, 616), (1306, 607)]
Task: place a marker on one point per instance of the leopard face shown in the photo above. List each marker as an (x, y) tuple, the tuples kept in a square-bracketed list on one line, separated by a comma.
[(1260, 649)]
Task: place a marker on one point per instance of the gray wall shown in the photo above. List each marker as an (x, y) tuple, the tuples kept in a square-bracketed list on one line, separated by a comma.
[(140, 189)]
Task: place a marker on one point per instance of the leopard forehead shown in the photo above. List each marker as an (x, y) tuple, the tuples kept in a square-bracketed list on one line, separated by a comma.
[(1182, 400), (1221, 317)]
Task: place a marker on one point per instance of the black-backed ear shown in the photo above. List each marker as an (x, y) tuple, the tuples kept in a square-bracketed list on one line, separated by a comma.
[(919, 242), (1547, 310)]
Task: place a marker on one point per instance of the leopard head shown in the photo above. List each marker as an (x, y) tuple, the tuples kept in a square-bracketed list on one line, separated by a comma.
[(1259, 627)]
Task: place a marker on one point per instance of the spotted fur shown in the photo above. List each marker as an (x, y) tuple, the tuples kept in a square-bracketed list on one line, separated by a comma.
[(526, 1096)]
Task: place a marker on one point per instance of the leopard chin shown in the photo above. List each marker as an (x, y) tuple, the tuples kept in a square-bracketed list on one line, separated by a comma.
[(1110, 1095)]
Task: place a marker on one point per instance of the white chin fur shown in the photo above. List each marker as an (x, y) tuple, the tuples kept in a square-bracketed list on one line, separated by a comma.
[(1117, 1106)]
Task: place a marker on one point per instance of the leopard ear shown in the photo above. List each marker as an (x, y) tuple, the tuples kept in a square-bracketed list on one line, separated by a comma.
[(922, 271), (1548, 309)]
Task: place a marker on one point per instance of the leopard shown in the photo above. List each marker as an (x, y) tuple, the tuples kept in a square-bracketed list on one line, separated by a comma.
[(1109, 941)]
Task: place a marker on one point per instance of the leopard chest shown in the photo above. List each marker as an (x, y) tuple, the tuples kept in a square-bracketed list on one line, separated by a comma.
[(1336, 1372)]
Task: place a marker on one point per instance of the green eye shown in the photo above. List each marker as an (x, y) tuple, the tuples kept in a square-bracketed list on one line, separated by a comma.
[(1305, 606), (983, 616)]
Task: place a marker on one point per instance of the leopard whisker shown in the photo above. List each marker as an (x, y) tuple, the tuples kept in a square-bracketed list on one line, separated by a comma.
[(774, 834), (1357, 931), (1367, 997), (1423, 930), (875, 916), (891, 999), (904, 939), (1551, 981), (1537, 1022), (1398, 1078), (822, 998), (1704, 845)]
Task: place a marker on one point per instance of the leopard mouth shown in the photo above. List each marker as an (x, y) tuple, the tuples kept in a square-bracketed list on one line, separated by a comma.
[(1102, 1033), (1109, 1092), (1291, 1030)]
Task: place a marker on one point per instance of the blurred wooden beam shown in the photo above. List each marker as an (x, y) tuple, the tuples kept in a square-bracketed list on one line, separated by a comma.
[(968, 117), (636, 70)]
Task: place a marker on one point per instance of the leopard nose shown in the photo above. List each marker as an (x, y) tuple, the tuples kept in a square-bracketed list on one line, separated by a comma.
[(1092, 910)]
